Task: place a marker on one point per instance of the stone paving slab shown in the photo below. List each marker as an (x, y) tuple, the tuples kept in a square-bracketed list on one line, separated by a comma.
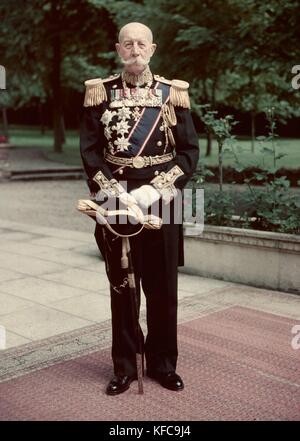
[(91, 306), (10, 304), (80, 278), (31, 227), (6, 275), (37, 322), (82, 255), (39, 290), (28, 265), (13, 340)]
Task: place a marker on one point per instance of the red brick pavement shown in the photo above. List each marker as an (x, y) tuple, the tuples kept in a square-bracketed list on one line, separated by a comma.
[(237, 364)]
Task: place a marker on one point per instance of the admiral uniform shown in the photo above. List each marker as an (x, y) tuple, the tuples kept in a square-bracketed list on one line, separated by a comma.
[(139, 129)]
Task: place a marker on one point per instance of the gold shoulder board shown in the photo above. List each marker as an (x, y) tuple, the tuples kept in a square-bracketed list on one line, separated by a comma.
[(179, 95), (162, 80), (95, 92)]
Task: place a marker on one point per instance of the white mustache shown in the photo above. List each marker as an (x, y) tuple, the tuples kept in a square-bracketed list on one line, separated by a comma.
[(136, 60)]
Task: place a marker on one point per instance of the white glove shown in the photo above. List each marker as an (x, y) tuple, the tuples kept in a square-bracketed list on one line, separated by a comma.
[(127, 199), (145, 195), (124, 197)]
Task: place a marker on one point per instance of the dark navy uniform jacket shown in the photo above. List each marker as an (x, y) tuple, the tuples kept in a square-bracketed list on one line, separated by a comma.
[(94, 143)]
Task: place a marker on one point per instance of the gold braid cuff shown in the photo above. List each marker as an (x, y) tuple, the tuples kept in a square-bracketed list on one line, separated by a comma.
[(110, 187), (164, 182)]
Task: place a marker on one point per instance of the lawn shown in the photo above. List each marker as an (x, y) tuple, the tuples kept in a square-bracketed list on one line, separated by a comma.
[(32, 137), (288, 146)]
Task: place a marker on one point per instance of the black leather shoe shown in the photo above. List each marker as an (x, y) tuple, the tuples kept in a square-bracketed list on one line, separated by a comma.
[(171, 380), (119, 384)]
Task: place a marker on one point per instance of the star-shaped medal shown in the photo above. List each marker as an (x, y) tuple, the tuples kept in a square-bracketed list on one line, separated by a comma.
[(136, 113), (124, 113), (107, 117), (121, 144), (122, 127)]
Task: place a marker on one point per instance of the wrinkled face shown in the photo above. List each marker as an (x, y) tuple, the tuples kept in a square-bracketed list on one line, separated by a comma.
[(135, 47)]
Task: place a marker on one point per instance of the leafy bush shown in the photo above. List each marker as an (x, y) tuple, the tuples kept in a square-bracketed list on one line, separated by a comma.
[(273, 207)]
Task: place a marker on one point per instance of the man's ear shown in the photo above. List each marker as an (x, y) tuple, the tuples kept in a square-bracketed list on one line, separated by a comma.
[(117, 45), (153, 47)]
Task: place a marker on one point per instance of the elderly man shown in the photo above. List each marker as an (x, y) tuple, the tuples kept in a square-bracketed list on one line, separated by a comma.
[(138, 143)]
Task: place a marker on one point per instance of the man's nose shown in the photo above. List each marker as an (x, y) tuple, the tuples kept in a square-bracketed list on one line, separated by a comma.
[(135, 49)]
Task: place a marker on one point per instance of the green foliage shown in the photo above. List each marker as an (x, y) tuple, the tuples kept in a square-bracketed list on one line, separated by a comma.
[(219, 209), (220, 127), (274, 207), (30, 28), (242, 48), (200, 174)]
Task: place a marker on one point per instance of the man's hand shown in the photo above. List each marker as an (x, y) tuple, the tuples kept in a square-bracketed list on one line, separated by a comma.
[(127, 199), (145, 195), (124, 197)]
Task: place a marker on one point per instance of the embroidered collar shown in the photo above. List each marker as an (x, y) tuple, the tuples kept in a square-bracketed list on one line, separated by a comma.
[(138, 80)]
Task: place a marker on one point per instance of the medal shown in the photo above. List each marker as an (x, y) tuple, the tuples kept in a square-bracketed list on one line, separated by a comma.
[(136, 97)]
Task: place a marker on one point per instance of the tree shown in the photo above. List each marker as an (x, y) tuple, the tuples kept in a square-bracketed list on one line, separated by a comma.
[(49, 41), (260, 76)]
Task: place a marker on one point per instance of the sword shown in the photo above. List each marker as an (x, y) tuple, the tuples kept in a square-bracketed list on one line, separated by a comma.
[(126, 262)]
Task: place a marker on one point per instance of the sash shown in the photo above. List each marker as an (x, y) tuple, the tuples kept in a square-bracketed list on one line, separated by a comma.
[(145, 126)]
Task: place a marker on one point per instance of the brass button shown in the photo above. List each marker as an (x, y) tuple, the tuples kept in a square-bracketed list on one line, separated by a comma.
[(156, 173), (159, 143)]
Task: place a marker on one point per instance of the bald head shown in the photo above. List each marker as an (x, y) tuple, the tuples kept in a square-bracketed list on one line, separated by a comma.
[(136, 29), (135, 46)]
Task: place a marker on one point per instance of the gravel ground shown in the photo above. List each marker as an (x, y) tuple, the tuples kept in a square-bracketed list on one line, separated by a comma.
[(45, 203)]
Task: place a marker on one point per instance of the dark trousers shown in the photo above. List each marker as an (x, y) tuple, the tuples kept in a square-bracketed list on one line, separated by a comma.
[(155, 261)]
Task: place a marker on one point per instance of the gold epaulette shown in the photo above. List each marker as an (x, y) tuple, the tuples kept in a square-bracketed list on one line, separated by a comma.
[(179, 95), (95, 92)]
